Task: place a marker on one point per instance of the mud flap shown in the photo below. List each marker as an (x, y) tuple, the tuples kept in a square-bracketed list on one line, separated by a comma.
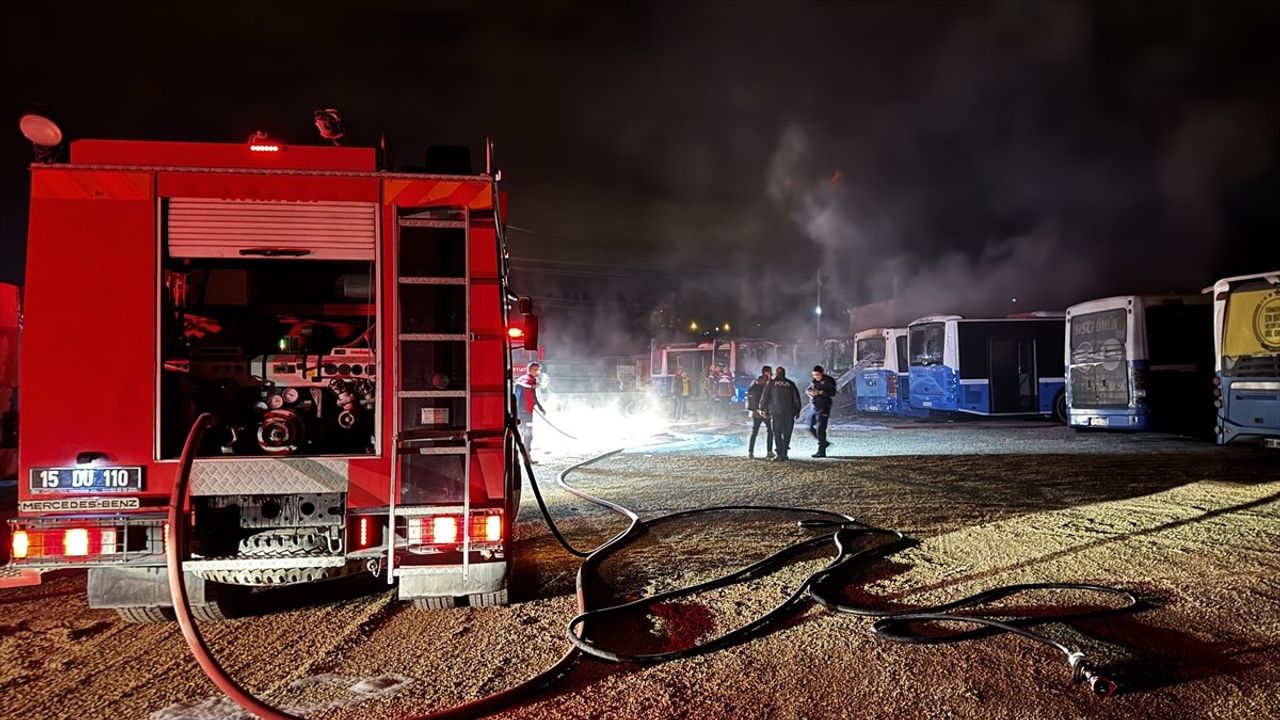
[(447, 581), (116, 587)]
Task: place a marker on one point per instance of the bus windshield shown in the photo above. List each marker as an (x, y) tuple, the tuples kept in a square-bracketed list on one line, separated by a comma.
[(926, 343), (871, 350)]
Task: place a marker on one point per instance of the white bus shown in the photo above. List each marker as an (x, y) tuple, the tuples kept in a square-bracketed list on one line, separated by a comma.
[(1139, 362)]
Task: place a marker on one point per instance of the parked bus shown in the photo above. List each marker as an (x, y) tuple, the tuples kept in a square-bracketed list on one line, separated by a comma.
[(1246, 338), (838, 355), (883, 382), (1140, 362), (990, 366)]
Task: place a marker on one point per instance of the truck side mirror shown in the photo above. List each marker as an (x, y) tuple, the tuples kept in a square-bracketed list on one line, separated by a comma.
[(530, 331), (524, 305)]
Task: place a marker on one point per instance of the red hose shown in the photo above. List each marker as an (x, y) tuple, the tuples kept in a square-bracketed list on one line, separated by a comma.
[(176, 553)]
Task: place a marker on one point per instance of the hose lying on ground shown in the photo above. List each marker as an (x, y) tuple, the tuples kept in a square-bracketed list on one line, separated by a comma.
[(821, 587)]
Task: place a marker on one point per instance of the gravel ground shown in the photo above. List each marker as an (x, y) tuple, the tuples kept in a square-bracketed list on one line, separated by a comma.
[(1192, 526)]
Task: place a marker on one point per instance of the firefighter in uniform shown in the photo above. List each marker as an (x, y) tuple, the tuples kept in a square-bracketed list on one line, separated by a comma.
[(781, 401), (821, 392), (757, 414), (526, 401)]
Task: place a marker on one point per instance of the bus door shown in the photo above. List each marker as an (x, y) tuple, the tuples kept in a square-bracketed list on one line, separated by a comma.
[(1179, 367), (1012, 375)]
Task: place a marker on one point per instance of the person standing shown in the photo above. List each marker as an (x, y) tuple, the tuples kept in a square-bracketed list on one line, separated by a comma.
[(822, 392), (757, 414), (680, 391), (724, 393), (781, 400), (526, 402)]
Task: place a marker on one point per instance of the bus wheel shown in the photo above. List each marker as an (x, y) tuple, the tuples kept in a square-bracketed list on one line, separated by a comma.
[(1060, 407)]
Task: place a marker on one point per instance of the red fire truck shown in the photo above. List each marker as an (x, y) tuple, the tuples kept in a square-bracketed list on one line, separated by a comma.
[(347, 325)]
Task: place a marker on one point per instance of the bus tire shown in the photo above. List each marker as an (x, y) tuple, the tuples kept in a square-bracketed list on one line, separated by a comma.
[(1060, 407), (142, 615)]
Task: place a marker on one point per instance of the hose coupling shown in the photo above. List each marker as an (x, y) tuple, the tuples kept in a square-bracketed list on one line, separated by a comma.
[(1083, 672)]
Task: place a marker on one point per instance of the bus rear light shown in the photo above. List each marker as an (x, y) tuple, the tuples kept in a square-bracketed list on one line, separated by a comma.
[(1217, 381), (20, 544), (892, 385), (1217, 392), (75, 542)]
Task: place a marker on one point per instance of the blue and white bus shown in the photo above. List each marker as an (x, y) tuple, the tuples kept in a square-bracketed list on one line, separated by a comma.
[(883, 380), (1246, 338), (1140, 362), (990, 366)]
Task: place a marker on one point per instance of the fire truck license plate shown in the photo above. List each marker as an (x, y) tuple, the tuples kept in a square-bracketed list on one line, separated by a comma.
[(82, 479)]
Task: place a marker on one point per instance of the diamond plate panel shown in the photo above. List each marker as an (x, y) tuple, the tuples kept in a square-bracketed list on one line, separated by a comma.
[(269, 476)]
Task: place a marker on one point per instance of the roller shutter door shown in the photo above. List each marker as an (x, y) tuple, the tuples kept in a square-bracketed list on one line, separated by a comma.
[(206, 228)]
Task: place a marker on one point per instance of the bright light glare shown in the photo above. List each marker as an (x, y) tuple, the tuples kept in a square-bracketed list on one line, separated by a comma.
[(515, 332), (596, 426), (693, 326), (817, 310), (493, 528), (727, 328), (264, 148), (21, 544), (444, 530), (76, 542)]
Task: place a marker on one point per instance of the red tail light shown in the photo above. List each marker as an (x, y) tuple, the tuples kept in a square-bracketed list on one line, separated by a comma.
[(366, 533), (446, 530)]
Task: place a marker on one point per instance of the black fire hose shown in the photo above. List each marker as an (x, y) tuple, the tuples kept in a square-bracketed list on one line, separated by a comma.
[(891, 625)]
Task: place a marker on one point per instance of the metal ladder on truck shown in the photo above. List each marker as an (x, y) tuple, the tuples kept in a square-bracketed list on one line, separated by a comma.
[(431, 468)]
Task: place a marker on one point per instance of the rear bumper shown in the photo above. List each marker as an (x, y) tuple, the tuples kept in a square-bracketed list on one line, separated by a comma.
[(1107, 419)]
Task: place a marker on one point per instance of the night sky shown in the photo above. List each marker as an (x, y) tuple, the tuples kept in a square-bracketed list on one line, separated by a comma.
[(717, 157)]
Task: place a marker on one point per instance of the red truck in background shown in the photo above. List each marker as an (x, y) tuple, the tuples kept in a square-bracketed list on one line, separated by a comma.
[(348, 327)]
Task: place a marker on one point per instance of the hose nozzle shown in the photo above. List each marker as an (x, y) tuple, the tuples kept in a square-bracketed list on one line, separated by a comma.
[(1083, 672)]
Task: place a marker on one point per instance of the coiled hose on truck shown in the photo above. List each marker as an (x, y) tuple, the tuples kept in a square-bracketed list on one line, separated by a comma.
[(822, 587)]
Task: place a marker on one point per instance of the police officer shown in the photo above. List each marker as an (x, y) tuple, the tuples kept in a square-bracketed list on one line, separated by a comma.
[(757, 413), (781, 401), (821, 392)]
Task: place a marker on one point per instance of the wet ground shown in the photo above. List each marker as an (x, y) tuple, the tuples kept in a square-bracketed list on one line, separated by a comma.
[(1194, 528)]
